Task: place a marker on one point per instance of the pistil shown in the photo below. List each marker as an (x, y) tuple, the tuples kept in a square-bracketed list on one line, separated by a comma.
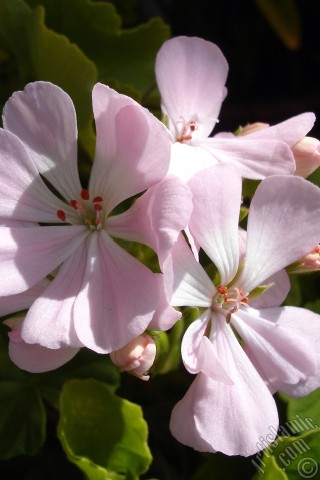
[(230, 301), (89, 212)]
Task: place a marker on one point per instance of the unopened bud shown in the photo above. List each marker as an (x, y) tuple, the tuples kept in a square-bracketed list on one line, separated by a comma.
[(309, 263), (307, 156), (251, 128), (136, 357)]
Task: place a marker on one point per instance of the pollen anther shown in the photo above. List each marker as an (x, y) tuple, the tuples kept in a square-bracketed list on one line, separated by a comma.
[(85, 194), (230, 300), (61, 215)]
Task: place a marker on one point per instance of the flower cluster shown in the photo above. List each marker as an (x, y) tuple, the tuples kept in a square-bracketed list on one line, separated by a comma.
[(68, 282)]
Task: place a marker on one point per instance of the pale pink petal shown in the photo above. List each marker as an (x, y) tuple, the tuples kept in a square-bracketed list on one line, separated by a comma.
[(37, 359), (23, 194), (194, 245), (118, 298), (187, 160), (9, 222), (186, 282), (132, 149), (27, 255), (254, 159), (22, 301), (55, 327), (283, 226), (165, 316), (191, 74), (305, 325), (215, 416), (44, 118), (275, 294), (280, 355), (214, 220), (242, 243), (156, 218), (198, 352), (290, 131), (279, 283)]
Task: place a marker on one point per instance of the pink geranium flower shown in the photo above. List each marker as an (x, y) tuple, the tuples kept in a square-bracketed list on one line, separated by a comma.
[(100, 296), (306, 150), (230, 406), (191, 75)]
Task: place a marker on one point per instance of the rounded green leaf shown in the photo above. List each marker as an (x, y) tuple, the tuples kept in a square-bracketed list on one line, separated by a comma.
[(101, 433), (291, 458), (304, 413)]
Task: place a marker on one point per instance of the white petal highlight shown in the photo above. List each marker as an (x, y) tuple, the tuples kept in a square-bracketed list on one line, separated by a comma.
[(191, 285), (132, 149), (44, 118), (212, 415), (214, 220), (191, 74), (118, 298), (29, 254), (283, 226)]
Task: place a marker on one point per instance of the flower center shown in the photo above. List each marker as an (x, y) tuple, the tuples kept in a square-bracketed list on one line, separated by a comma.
[(187, 131), (89, 211), (229, 300)]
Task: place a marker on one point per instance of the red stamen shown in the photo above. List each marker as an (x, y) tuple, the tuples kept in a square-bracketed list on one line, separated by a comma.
[(97, 207), (224, 291), (97, 199), (183, 138), (85, 194), (74, 204), (229, 314), (61, 215)]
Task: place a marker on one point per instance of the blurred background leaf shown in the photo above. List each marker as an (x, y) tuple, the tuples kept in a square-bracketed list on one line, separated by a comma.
[(283, 16)]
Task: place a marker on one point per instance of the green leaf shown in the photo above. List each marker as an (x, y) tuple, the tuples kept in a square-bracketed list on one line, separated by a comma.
[(42, 54), (248, 190), (23, 417), (121, 55), (273, 472), (256, 292), (103, 434), (294, 297), (135, 53), (315, 177), (284, 18), (303, 413), (290, 458), (313, 306)]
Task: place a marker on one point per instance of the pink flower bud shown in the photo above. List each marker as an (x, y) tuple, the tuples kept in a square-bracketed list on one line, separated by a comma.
[(307, 156), (309, 263), (136, 357), (252, 127)]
